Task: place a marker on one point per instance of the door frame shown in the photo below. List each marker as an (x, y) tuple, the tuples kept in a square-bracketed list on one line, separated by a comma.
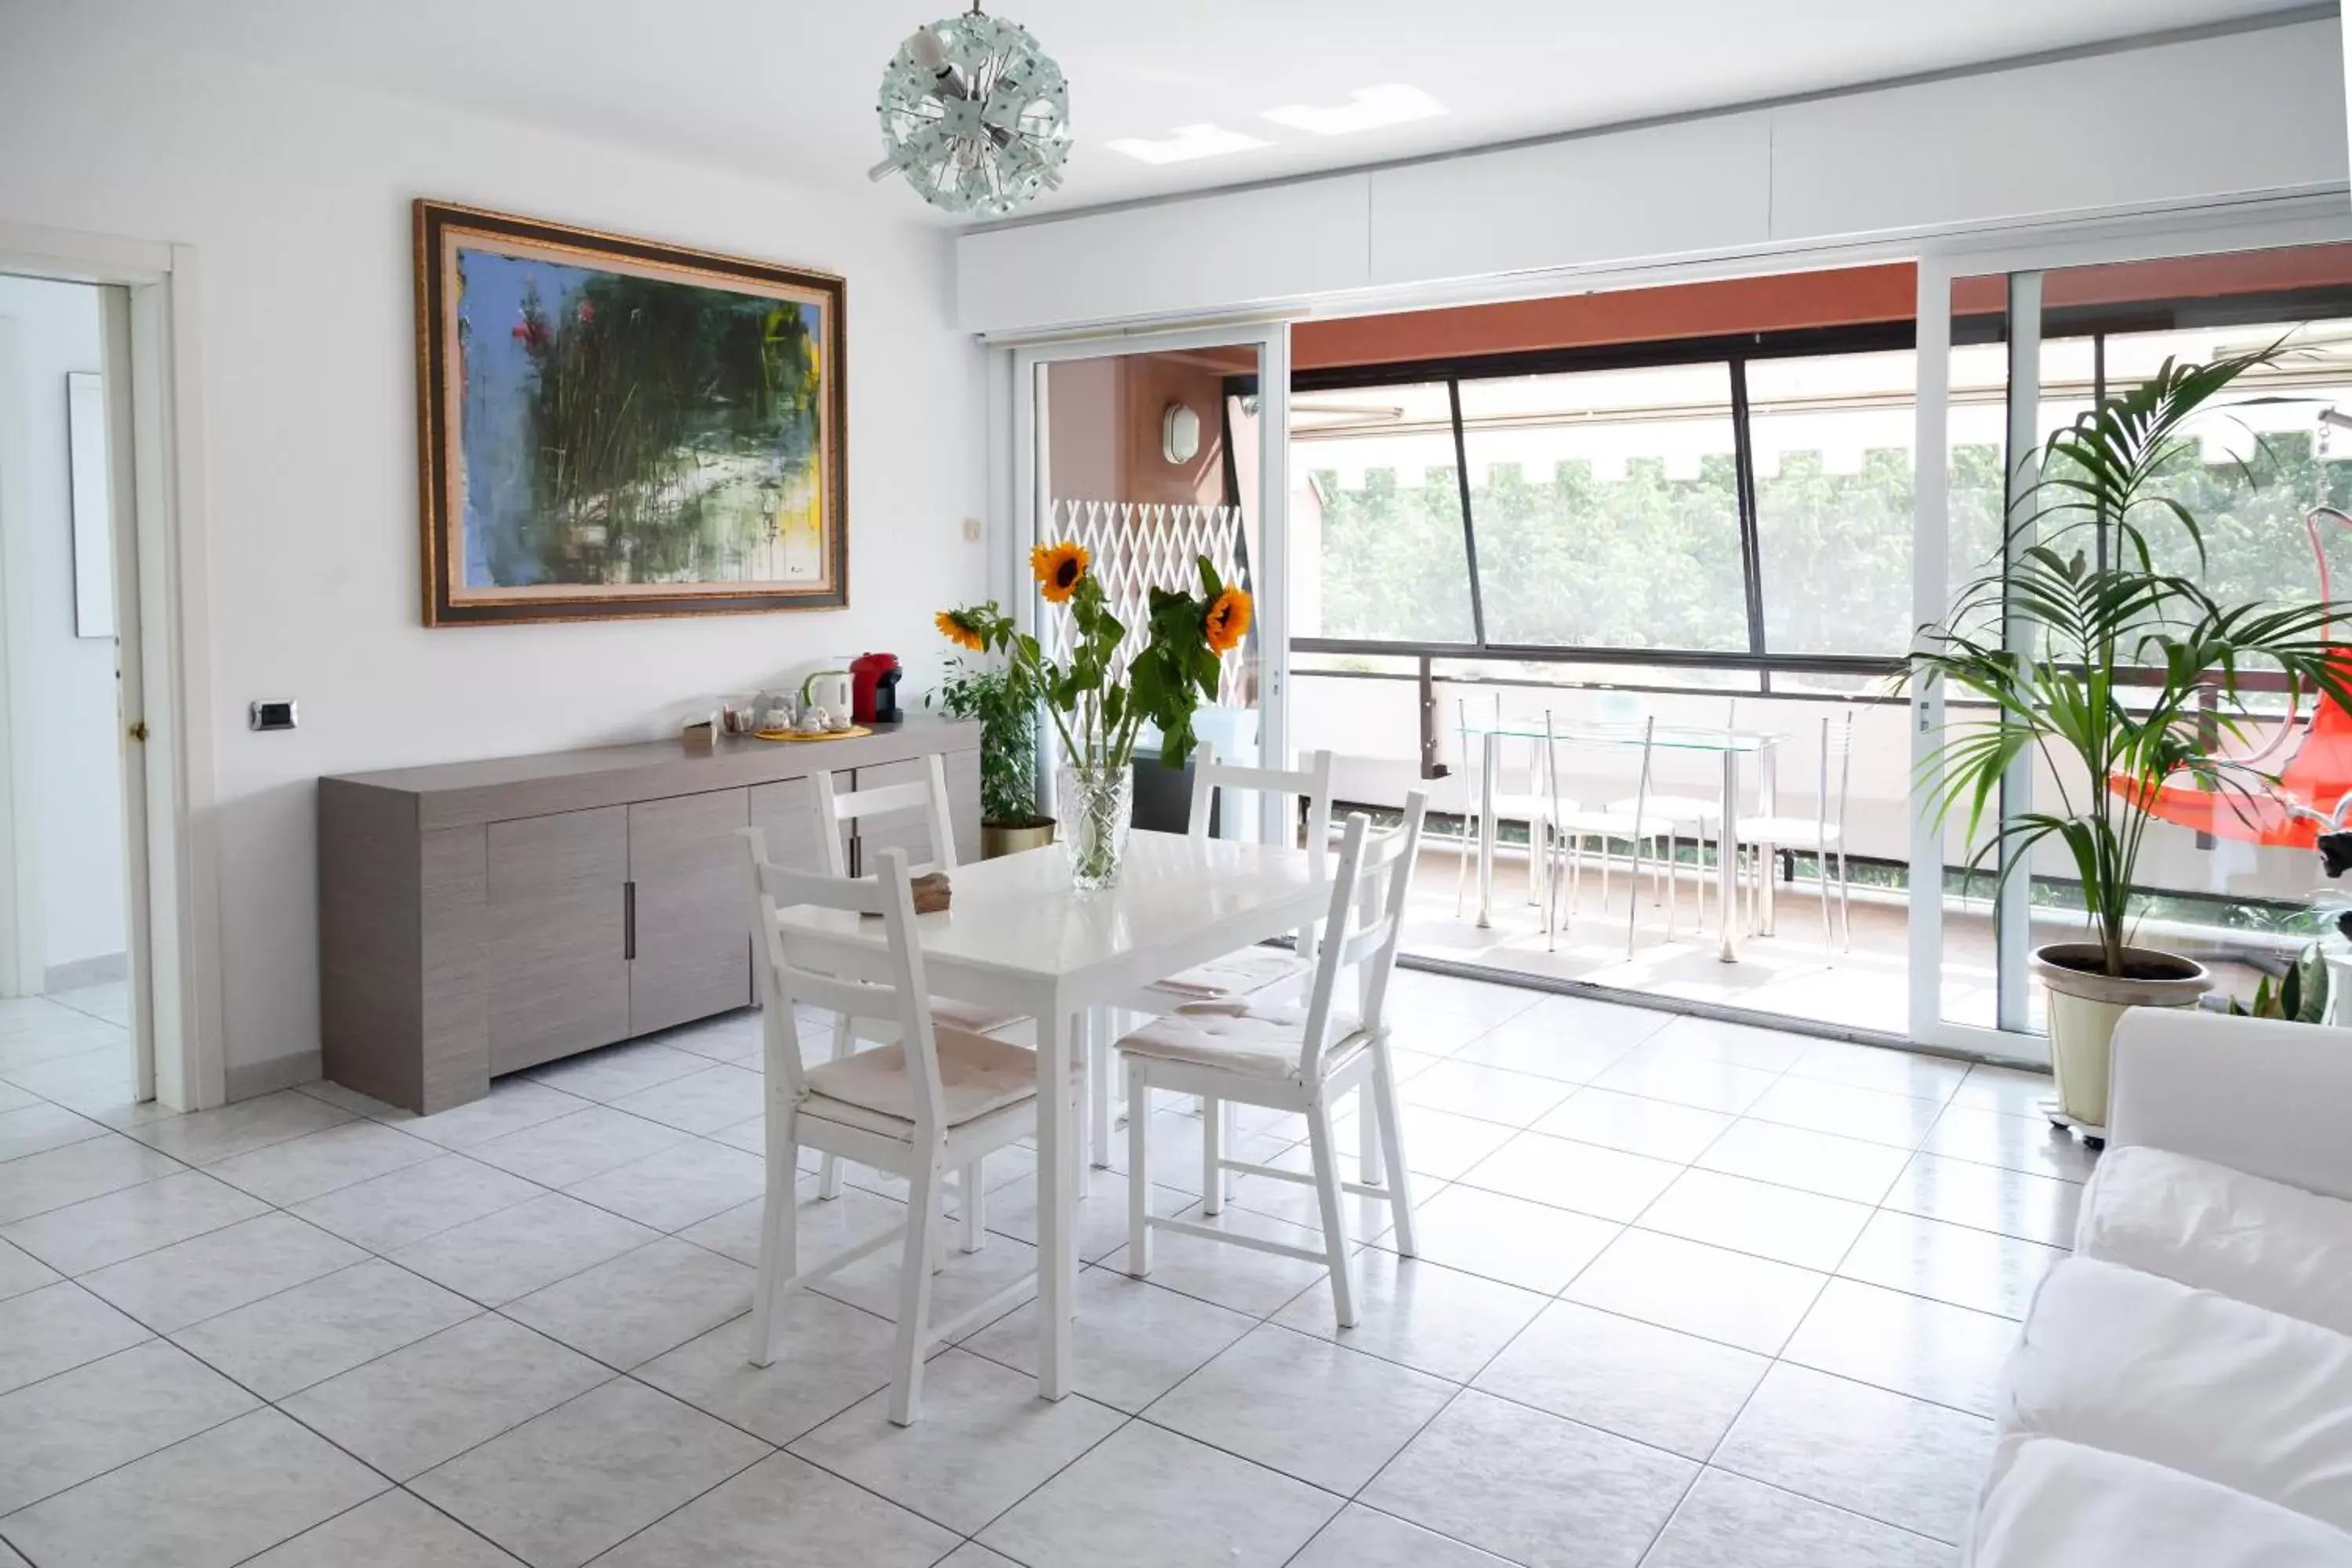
[(169, 783), (1030, 505), (2259, 225)]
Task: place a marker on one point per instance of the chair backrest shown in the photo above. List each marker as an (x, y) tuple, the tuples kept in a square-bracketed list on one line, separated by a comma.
[(1538, 759), (1364, 923), (837, 970), (1612, 736), (926, 797), (1312, 783), (1837, 758)]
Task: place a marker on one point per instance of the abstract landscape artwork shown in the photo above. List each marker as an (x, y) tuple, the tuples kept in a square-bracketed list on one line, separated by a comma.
[(610, 426)]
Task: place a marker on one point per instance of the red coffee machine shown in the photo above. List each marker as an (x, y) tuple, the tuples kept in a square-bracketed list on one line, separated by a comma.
[(874, 687)]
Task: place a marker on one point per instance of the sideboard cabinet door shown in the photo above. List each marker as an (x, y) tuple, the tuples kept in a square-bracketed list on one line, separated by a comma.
[(557, 979), (693, 947)]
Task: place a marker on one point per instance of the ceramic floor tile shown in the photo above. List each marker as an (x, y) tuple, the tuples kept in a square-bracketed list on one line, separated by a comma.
[(985, 1441), (785, 1513), (1741, 1044), (1898, 1461), (1950, 1263), (2013, 1143), (1102, 1210), (1440, 1014), (1437, 1143), (205, 1275), (286, 1343), (65, 1429), (1635, 1124), (1730, 1296), (14, 1099), (1848, 1168), (683, 1184), (1985, 1197), (1489, 1472), (1418, 1314), (1728, 1521), (1926, 1349), (391, 1530), (1533, 1245), (122, 1225), (423, 1200), (512, 1104), (1305, 1406), (1583, 1176), (2015, 1091), (410, 1410), (20, 1271), (1880, 1067), (39, 1127), (65, 1033), (640, 1304), (287, 1173), (202, 1137), (617, 1071), (355, 1102), (1257, 1283), (1870, 1114), (573, 1147), (1564, 1038), (1133, 1341), (211, 1500), (565, 1486), (78, 1172), (57, 1327), (828, 1358), (717, 1097), (967, 1282), (96, 1083), (517, 1250), (1487, 1093), (1136, 1500), (1682, 1079), (1639, 1380), (828, 1226), (1779, 1223), (1362, 1538)]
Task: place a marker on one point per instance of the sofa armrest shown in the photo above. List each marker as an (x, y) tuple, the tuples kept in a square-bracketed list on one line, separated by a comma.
[(2258, 1095)]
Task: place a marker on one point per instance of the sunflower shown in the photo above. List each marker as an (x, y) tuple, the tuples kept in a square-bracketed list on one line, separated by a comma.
[(953, 628), (1228, 620), (1059, 569)]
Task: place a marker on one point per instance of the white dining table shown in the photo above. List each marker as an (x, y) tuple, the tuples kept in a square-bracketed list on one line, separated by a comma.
[(1017, 936)]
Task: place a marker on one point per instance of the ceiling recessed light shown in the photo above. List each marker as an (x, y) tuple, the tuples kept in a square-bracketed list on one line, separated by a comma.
[(1367, 108), (1185, 143)]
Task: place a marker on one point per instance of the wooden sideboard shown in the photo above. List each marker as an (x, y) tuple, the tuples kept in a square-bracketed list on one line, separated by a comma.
[(480, 917)]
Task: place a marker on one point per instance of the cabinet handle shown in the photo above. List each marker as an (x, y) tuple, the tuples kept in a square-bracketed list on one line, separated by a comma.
[(628, 920)]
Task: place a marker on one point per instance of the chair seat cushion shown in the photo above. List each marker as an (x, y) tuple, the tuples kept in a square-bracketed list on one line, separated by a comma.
[(970, 1015), (1243, 973), (1260, 1039), (2206, 1224), (2049, 1503), (2190, 1379), (978, 1075)]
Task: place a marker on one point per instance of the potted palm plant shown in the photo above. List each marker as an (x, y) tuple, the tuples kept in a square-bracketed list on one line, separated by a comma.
[(1004, 700), (2108, 691)]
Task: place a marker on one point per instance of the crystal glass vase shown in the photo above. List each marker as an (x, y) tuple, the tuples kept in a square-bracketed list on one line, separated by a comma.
[(1096, 807)]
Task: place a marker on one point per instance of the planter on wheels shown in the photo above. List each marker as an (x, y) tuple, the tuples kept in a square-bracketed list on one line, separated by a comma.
[(2084, 1004)]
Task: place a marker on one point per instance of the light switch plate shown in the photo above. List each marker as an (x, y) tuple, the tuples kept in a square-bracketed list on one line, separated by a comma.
[(272, 715)]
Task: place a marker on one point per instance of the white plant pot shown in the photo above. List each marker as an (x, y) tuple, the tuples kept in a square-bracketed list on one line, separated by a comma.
[(2084, 1005)]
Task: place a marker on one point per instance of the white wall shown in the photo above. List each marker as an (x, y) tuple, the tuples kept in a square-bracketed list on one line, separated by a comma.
[(2260, 111), (296, 195), (66, 784)]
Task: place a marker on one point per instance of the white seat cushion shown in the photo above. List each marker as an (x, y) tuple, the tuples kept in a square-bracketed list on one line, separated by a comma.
[(1243, 973), (1258, 1039), (870, 1090), (2049, 1503), (2190, 1379), (970, 1015), (2186, 1220)]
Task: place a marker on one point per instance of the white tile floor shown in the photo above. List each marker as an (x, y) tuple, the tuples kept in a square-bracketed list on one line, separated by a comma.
[(1692, 1296)]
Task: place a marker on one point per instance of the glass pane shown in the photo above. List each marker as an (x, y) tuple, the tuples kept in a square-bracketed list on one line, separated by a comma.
[(1607, 507), (1376, 545), (1832, 438)]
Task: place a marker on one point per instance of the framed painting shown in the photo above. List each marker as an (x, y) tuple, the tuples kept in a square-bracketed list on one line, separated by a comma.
[(611, 427)]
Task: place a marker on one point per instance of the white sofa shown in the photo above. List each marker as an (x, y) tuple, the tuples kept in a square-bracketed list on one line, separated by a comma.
[(2182, 1391)]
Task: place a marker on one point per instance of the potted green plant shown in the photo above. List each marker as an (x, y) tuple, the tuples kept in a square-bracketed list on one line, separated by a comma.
[(2106, 691), (1004, 700)]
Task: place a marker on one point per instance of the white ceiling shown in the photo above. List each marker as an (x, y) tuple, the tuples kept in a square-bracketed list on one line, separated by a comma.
[(786, 90)]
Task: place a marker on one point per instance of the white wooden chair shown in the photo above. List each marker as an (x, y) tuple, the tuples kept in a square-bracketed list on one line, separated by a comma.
[(1298, 1057), (926, 800), (942, 1099)]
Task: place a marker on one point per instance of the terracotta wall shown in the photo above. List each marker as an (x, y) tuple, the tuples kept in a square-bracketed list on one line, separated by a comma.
[(1104, 420)]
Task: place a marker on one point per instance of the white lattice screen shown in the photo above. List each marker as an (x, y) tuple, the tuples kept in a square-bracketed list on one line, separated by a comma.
[(1138, 546)]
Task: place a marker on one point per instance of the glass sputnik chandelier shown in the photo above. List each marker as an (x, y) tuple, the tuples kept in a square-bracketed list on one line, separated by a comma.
[(975, 114)]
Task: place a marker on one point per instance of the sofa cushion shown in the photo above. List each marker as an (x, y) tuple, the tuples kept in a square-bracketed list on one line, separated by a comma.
[(2189, 1379), (2049, 1503), (2187, 1219)]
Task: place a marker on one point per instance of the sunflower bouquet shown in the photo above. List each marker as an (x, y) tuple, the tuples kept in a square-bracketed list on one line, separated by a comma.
[(1100, 708)]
